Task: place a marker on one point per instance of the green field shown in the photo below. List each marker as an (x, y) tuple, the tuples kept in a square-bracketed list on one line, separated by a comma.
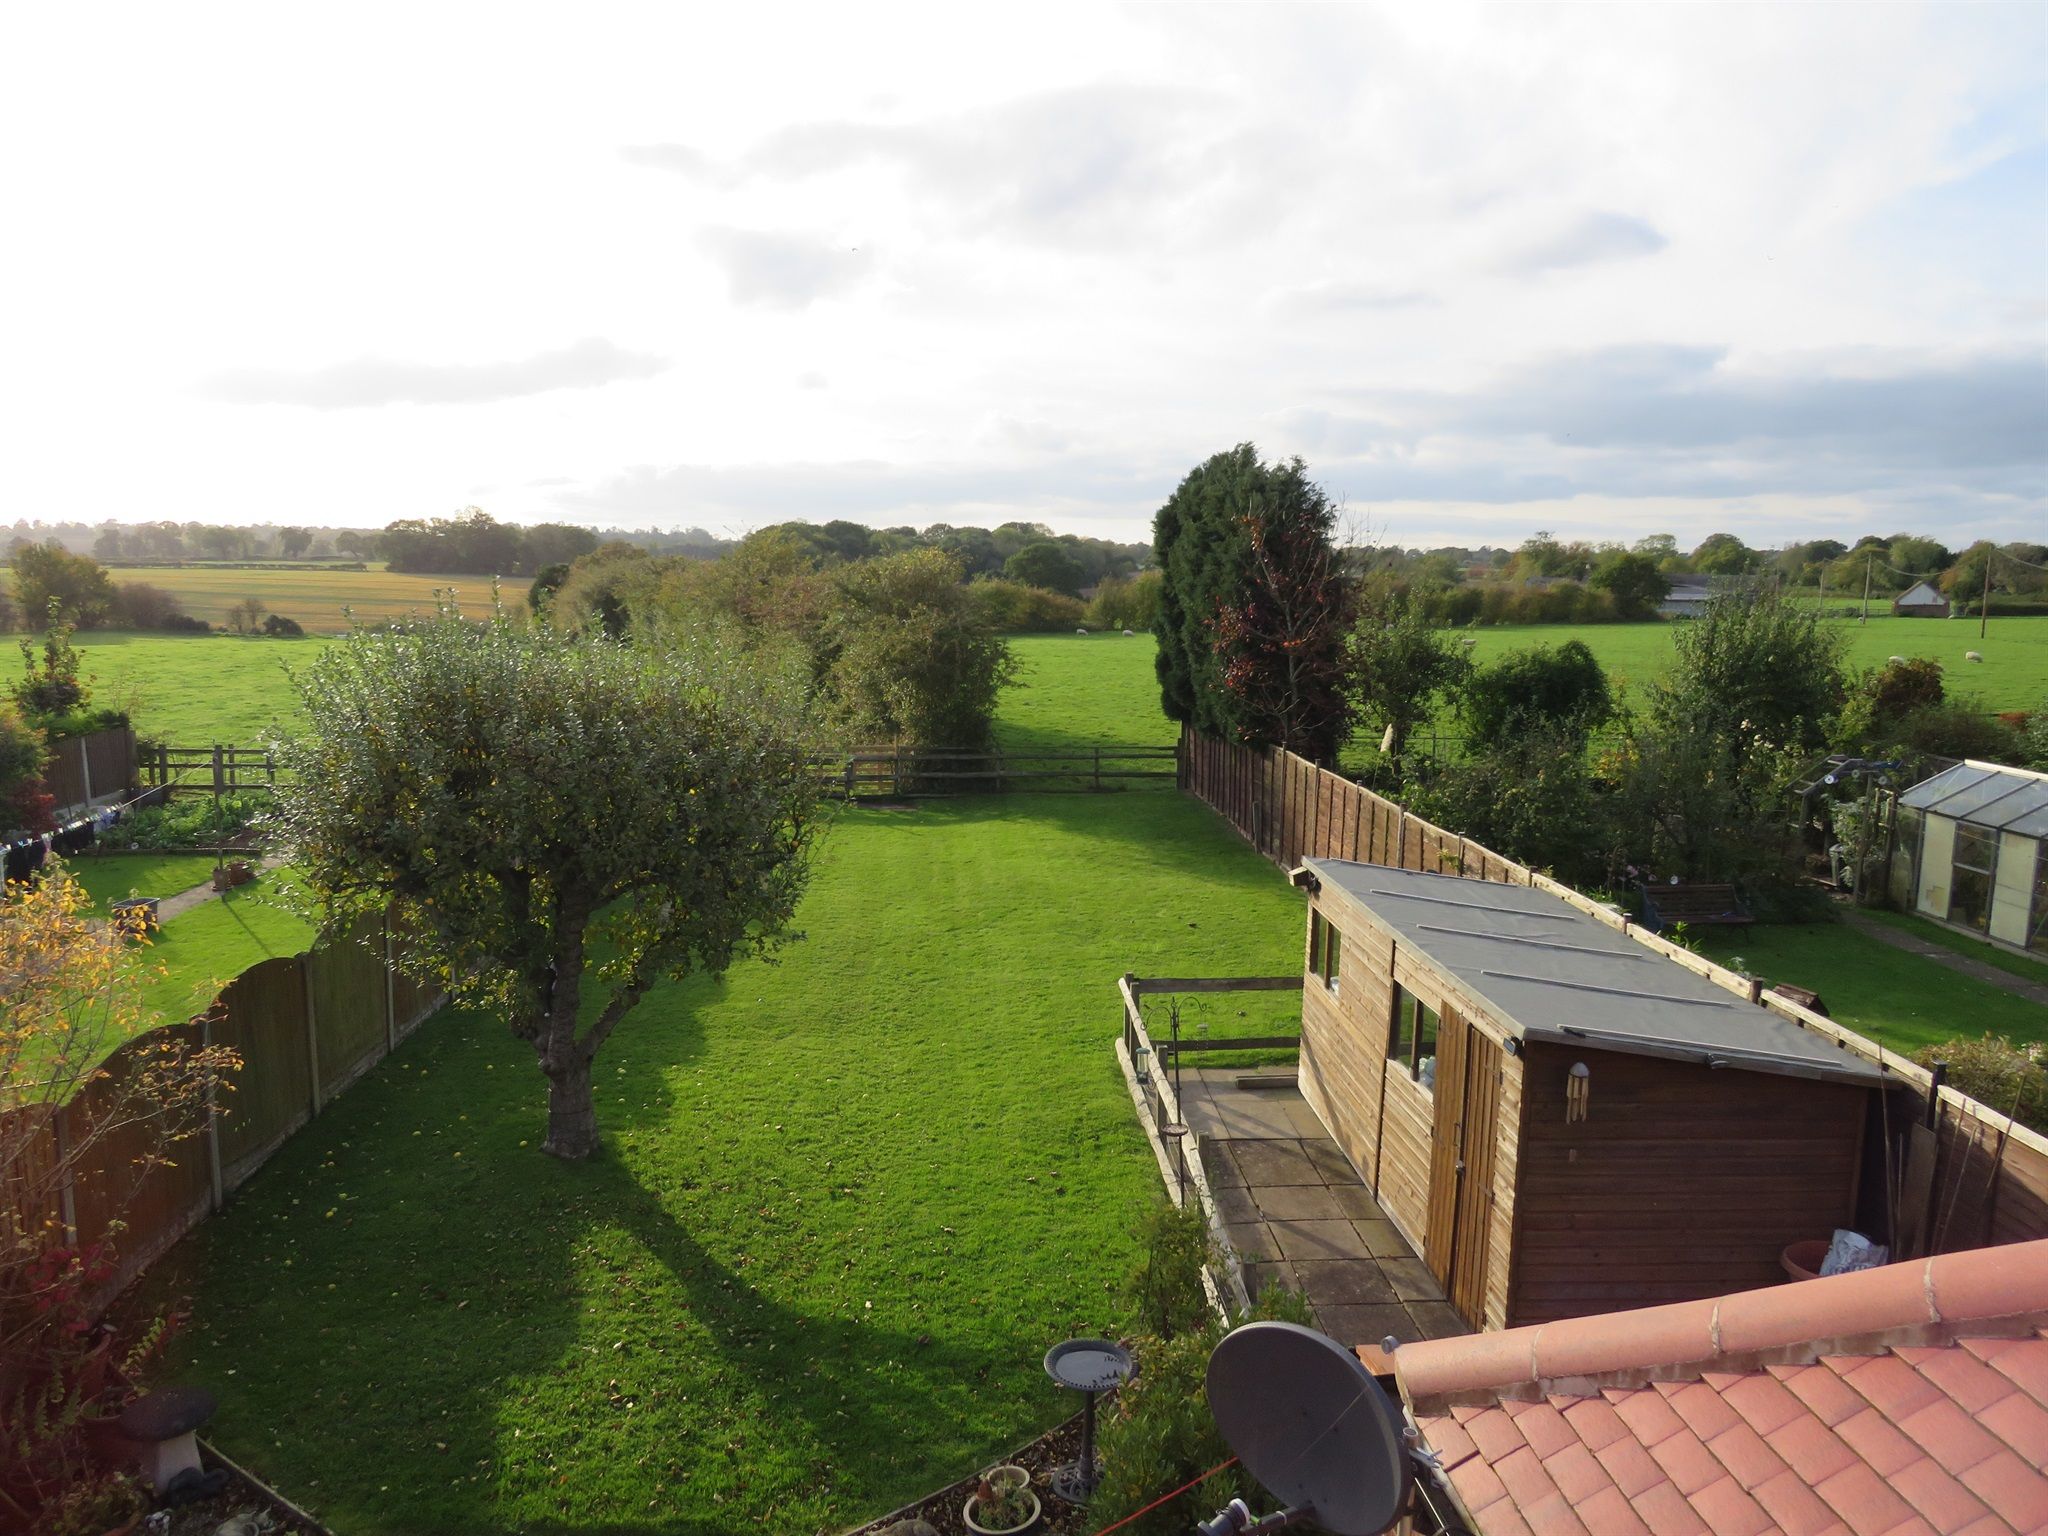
[(846, 1202)]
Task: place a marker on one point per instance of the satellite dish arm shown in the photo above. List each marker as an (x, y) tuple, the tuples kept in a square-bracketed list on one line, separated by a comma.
[(1235, 1519)]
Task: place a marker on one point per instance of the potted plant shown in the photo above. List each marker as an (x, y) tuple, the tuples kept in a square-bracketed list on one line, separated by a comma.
[(1002, 1503)]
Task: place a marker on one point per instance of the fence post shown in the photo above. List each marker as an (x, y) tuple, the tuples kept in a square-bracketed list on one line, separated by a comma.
[(390, 991), (1098, 768), (312, 1032), (84, 769), (849, 777), (212, 1114), (67, 1202)]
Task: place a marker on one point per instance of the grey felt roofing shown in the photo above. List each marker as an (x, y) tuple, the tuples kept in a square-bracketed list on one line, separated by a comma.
[(1985, 795), (1552, 972)]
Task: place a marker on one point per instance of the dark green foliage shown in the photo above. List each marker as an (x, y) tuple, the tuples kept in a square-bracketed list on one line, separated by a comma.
[(1956, 729), (1692, 803), (51, 685), (1166, 1288), (1755, 670), (2005, 1077), (904, 658), (1158, 1432), (279, 627), (1899, 688), (1121, 603), (537, 797), (1012, 608), (188, 821), (21, 758), (1254, 615), (547, 581), (50, 580), (477, 544), (1045, 564), (1723, 554), (1403, 665), (1559, 692), (1530, 796), (1632, 580)]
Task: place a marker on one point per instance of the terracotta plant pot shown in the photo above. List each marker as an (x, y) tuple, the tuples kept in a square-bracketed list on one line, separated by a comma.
[(1802, 1261), (1001, 1476)]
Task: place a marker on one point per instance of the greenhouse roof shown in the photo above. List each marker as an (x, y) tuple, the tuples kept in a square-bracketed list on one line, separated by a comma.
[(1986, 795)]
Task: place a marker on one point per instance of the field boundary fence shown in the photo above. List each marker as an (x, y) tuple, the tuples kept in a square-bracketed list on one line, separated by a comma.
[(855, 774), (1991, 1172), (305, 1026)]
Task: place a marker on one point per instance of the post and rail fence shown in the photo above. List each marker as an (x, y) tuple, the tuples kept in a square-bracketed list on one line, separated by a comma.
[(1290, 809)]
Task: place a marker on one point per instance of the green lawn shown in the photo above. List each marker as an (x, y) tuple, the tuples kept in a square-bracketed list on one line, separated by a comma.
[(1892, 996), (846, 1202), (2013, 674), (197, 953), (1084, 690), (196, 690), (1963, 944), (108, 878)]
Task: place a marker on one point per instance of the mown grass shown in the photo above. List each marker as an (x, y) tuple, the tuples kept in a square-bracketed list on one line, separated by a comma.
[(845, 1203), (112, 877), (1962, 944), (196, 690), (1893, 996)]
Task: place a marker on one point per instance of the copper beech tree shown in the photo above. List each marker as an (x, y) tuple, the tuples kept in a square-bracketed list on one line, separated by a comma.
[(565, 819)]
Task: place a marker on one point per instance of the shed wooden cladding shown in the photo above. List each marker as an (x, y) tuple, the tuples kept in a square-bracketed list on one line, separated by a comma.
[(1683, 1179)]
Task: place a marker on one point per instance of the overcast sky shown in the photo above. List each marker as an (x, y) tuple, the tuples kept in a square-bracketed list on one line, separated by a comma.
[(1778, 269)]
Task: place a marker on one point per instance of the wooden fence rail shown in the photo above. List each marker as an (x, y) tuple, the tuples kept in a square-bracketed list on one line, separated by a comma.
[(862, 772), (306, 1026), (1990, 1174)]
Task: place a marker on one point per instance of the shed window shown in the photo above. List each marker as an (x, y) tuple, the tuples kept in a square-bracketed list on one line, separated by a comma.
[(1969, 899), (1411, 1043), (1325, 949)]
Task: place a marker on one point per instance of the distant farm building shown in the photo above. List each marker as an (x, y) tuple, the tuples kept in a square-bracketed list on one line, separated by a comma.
[(1685, 600), (1920, 601), (1970, 852)]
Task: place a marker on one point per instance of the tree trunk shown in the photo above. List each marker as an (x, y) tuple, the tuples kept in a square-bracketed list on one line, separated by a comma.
[(572, 1113)]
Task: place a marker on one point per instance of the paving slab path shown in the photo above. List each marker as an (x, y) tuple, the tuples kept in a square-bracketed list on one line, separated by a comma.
[(1297, 1213), (1941, 954)]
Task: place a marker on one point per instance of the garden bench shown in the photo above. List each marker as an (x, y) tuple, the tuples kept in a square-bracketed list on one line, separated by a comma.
[(1696, 906)]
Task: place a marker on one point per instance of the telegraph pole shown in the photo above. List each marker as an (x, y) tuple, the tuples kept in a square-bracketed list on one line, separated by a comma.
[(1866, 587), (1984, 606)]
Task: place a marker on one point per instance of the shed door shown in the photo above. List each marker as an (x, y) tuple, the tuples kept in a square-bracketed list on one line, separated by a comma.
[(1461, 1164)]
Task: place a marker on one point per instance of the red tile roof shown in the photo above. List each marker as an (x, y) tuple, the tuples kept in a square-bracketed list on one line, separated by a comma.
[(1912, 1398)]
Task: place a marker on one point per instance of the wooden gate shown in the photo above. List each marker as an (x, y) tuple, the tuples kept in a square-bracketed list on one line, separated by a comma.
[(1468, 1070)]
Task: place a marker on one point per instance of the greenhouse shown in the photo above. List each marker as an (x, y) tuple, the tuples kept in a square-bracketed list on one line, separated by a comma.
[(1969, 852)]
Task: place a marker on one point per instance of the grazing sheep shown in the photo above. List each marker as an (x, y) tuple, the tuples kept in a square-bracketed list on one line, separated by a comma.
[(1130, 632), (1897, 661), (1080, 631), (1972, 656)]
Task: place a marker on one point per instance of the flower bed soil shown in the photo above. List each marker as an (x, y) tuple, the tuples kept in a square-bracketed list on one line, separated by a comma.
[(1043, 1456), (242, 1495)]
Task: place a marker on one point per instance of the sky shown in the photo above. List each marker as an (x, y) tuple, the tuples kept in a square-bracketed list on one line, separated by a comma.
[(1777, 270)]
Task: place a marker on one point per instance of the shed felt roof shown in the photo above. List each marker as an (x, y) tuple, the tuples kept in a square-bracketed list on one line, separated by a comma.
[(1554, 973), (1986, 795), (1911, 1398)]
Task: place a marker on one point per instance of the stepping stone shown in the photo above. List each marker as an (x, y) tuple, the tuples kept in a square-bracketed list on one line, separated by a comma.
[(1355, 1202), (1330, 1162), (1252, 1241), (1318, 1240), (1264, 1163), (1236, 1205), (1219, 1167), (1298, 1202), (1352, 1326), (1438, 1319), (1382, 1241), (1412, 1280), (1344, 1283)]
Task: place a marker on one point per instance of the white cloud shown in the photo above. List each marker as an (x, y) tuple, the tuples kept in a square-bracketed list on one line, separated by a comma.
[(372, 381), (1492, 268)]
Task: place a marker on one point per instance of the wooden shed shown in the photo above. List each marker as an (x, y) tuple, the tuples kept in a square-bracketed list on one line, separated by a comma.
[(1922, 600), (1561, 1120)]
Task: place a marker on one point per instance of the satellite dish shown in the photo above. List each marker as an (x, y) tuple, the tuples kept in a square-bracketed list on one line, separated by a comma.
[(1308, 1421)]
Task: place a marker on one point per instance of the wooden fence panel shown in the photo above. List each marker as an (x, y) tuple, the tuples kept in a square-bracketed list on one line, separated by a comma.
[(345, 978), (262, 1016), (157, 1192), (111, 757)]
